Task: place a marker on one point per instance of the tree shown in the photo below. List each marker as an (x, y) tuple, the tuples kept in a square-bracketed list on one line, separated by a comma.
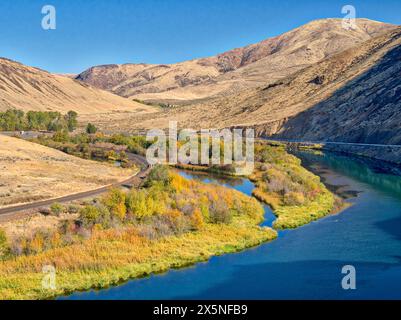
[(115, 202), (72, 122), (61, 136), (57, 125), (12, 120), (137, 204), (91, 128)]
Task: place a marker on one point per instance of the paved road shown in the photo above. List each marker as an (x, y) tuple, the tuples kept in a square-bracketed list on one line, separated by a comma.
[(132, 181)]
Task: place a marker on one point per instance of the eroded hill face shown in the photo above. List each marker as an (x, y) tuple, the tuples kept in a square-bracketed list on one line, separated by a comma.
[(366, 109), (28, 88), (235, 70), (352, 96)]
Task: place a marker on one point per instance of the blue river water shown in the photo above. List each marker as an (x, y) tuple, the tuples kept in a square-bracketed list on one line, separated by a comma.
[(305, 263)]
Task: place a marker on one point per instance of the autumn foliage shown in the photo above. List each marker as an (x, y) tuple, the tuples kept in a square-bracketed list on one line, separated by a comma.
[(134, 233), (296, 195)]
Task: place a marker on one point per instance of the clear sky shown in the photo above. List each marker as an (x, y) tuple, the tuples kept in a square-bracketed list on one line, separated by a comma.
[(92, 32)]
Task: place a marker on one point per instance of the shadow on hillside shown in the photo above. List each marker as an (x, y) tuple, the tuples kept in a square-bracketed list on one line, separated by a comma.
[(366, 110)]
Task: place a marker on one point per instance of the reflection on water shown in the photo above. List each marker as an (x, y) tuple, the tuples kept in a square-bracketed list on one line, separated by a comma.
[(304, 263), (356, 169), (213, 178)]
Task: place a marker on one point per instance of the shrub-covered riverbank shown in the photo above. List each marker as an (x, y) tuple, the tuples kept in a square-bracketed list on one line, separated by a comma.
[(170, 223), (296, 195)]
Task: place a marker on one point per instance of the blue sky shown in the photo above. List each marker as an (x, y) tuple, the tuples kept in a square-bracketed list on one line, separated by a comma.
[(92, 32)]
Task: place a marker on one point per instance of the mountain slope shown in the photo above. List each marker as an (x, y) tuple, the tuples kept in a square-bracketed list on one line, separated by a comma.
[(234, 70), (365, 110), (352, 96), (29, 88)]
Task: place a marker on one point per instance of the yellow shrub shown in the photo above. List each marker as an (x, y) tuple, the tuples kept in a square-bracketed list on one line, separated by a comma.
[(197, 219)]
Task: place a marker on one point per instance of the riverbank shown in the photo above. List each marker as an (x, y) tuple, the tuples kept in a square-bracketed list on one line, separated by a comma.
[(304, 263), (227, 222), (389, 156), (296, 196), (22, 278)]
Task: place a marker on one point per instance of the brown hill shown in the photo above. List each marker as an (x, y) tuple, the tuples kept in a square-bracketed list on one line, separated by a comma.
[(235, 70), (366, 109), (351, 96), (29, 88)]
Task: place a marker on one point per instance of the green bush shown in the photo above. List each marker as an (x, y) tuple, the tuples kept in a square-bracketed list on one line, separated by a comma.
[(61, 136), (89, 216), (72, 208), (95, 215), (57, 209), (136, 204), (114, 201), (91, 128), (158, 175)]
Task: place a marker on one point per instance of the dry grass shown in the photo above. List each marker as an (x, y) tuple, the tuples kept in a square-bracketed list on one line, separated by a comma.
[(32, 172), (26, 226), (34, 89), (111, 257), (269, 107), (235, 70)]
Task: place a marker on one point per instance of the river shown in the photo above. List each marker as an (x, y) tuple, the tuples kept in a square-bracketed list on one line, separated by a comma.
[(305, 263)]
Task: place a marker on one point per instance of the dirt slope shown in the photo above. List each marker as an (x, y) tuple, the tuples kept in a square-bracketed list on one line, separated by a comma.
[(352, 96), (31, 172), (235, 70), (29, 88)]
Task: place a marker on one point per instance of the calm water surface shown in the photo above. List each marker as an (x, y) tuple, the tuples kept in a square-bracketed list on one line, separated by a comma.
[(304, 263)]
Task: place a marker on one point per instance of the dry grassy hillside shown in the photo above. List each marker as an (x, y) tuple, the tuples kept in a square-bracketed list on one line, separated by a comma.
[(366, 109), (235, 70), (31, 172), (269, 108), (29, 88)]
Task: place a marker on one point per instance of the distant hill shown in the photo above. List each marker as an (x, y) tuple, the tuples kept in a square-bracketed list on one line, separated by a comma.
[(317, 82), (28, 88), (353, 96), (248, 67)]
